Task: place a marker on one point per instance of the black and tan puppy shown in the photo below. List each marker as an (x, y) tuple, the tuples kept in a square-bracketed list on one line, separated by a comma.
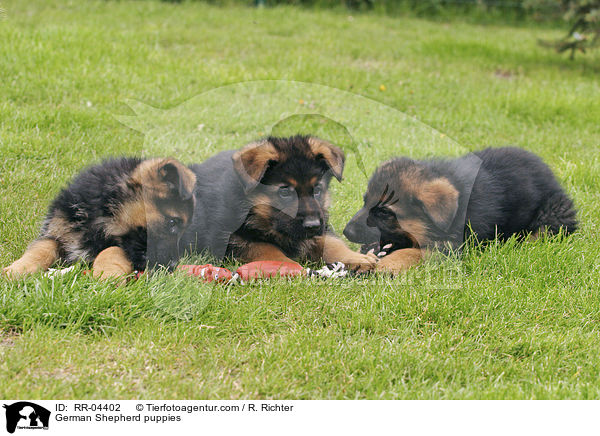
[(411, 206), (122, 215), (269, 201)]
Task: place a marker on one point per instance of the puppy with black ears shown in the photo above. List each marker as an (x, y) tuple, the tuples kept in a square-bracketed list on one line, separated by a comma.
[(269, 201)]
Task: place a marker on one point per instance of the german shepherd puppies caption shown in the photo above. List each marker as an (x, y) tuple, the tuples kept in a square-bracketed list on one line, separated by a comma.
[(413, 205), (122, 215), (269, 201)]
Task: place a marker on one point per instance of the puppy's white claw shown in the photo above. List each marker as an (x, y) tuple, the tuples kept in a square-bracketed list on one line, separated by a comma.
[(381, 254), (387, 246)]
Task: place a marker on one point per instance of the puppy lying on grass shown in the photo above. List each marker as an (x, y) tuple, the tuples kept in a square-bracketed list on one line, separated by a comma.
[(269, 201), (122, 215), (413, 206)]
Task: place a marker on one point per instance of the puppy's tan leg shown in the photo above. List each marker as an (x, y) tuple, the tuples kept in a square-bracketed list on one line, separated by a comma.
[(334, 250), (38, 257), (400, 260), (264, 251), (112, 262)]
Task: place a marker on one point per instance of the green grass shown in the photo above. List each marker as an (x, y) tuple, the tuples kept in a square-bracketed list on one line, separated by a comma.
[(508, 321)]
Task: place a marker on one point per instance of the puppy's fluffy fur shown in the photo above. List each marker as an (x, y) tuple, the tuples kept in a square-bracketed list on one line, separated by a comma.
[(496, 192), (269, 201), (122, 214)]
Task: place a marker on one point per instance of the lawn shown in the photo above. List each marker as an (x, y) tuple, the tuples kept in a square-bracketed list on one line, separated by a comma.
[(506, 321)]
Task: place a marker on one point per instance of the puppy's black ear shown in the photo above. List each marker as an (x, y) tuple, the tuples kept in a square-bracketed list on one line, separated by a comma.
[(178, 178), (440, 201), (251, 162), (332, 155)]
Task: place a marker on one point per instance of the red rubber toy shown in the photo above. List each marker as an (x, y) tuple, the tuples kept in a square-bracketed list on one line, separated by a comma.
[(208, 272), (268, 269), (263, 269)]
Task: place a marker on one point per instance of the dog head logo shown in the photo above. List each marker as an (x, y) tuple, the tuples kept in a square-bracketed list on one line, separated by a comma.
[(26, 415)]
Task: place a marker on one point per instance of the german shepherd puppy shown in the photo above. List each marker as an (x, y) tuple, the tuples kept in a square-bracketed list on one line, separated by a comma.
[(497, 192), (123, 215), (269, 201)]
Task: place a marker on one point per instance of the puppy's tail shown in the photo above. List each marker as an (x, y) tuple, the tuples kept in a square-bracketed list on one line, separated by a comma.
[(558, 212)]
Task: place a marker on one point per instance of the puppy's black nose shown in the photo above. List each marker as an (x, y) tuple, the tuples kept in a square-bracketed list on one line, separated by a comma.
[(311, 223), (357, 230), (350, 232)]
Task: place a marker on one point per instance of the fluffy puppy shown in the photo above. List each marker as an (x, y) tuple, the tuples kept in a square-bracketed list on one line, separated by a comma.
[(411, 206), (269, 201), (122, 215)]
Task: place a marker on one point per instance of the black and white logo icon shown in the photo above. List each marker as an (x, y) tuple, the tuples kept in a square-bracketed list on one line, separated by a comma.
[(26, 415)]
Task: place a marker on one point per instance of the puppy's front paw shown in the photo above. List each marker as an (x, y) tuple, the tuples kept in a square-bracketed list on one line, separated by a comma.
[(18, 269), (359, 262), (373, 247), (112, 263), (399, 261)]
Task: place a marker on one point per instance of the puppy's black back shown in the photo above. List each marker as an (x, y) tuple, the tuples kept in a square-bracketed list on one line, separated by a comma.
[(523, 191), (95, 193), (514, 192)]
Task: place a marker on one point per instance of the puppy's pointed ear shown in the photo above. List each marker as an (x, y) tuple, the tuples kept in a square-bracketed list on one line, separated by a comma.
[(332, 155), (440, 201), (178, 178), (251, 162)]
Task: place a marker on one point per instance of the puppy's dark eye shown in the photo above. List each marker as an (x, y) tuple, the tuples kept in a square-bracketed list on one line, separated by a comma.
[(317, 191), (173, 224), (382, 213), (285, 192)]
